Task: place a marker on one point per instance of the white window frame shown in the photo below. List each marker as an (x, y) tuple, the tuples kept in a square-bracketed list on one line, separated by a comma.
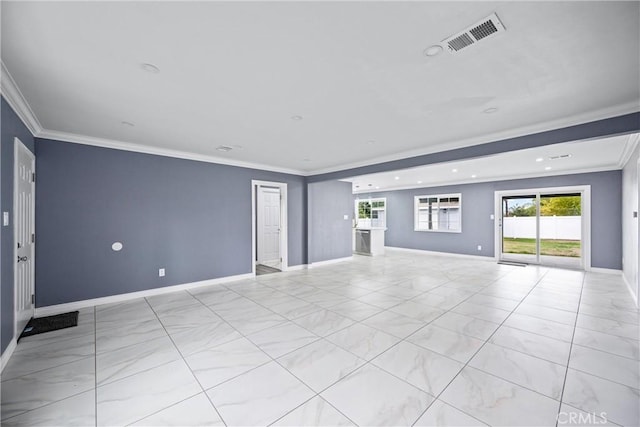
[(416, 202), (370, 200)]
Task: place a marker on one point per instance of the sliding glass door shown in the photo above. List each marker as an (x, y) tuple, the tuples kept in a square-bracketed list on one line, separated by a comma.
[(541, 227)]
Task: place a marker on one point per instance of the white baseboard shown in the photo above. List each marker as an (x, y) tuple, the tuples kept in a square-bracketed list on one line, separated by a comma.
[(76, 305), (604, 270), (329, 262), (8, 352), (630, 288), (297, 267), (449, 254)]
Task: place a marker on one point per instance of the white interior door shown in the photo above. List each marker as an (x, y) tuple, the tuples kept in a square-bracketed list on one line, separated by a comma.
[(269, 227), (24, 229)]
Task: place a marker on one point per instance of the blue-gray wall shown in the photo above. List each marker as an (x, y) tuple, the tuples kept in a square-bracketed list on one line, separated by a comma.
[(191, 218), (478, 205), (329, 233), (12, 127)]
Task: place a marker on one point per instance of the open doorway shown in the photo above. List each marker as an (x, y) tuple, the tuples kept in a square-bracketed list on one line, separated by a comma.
[(544, 226), (269, 225)]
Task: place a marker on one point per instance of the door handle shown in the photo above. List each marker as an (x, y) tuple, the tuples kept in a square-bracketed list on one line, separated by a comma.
[(23, 259)]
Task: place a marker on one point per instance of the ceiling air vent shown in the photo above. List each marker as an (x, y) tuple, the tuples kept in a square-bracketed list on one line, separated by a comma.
[(481, 30)]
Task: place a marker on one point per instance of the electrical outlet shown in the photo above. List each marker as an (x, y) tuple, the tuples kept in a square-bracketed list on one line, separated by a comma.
[(161, 272), (346, 217), (5, 218), (492, 217), (479, 247)]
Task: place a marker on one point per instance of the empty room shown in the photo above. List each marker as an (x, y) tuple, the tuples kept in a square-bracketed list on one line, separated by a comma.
[(319, 213)]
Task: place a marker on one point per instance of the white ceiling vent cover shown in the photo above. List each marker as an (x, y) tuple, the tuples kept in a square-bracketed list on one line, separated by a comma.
[(481, 30)]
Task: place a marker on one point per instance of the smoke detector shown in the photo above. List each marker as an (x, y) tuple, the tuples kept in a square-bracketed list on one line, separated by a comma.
[(481, 30)]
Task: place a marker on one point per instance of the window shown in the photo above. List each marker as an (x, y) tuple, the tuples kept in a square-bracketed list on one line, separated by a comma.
[(371, 213), (440, 212)]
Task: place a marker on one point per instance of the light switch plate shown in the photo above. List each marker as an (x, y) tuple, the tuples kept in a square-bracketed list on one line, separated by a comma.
[(346, 216), (5, 218)]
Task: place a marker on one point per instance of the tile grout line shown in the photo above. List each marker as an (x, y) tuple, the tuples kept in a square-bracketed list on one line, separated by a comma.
[(263, 364), (188, 367), (477, 351), (566, 373)]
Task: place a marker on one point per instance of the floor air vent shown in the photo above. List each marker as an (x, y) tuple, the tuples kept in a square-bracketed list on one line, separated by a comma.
[(481, 30)]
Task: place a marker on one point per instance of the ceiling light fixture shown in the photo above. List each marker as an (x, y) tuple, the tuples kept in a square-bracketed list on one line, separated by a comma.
[(539, 159), (433, 50), (419, 182), (150, 68), (296, 118), (396, 178), (454, 170), (377, 188), (490, 110), (548, 168), (224, 148), (474, 176)]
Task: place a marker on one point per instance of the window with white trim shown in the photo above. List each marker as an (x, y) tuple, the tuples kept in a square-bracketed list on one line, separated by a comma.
[(438, 212), (371, 213)]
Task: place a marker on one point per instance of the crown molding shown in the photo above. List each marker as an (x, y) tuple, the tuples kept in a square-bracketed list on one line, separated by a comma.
[(578, 119), (510, 177), (629, 148), (11, 92), (146, 149), (17, 101)]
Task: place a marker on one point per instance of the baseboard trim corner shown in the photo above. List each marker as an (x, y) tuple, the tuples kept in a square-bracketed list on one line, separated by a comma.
[(8, 352), (630, 289), (329, 262)]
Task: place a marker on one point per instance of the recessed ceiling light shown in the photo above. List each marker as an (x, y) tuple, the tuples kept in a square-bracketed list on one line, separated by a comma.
[(474, 176), (296, 118), (396, 178), (548, 168), (419, 182), (454, 170), (433, 50), (224, 148), (377, 188), (150, 68), (490, 110), (540, 159), (125, 123)]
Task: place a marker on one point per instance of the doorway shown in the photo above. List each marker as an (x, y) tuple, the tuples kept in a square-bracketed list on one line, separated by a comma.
[(544, 226), (24, 235), (269, 225)]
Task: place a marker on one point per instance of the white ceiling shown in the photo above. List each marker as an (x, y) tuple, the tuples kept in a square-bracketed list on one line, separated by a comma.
[(591, 155), (235, 73)]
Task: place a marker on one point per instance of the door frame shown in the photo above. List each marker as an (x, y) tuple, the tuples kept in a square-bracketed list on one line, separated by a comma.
[(17, 146), (260, 223), (284, 250), (585, 192)]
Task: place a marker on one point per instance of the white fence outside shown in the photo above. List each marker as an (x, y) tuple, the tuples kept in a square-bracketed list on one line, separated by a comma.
[(551, 227)]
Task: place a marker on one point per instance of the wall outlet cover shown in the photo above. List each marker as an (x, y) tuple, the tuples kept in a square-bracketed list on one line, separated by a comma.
[(479, 247), (5, 218), (161, 272)]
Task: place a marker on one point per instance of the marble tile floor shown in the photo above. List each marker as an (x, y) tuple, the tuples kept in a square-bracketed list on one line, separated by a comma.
[(402, 339)]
